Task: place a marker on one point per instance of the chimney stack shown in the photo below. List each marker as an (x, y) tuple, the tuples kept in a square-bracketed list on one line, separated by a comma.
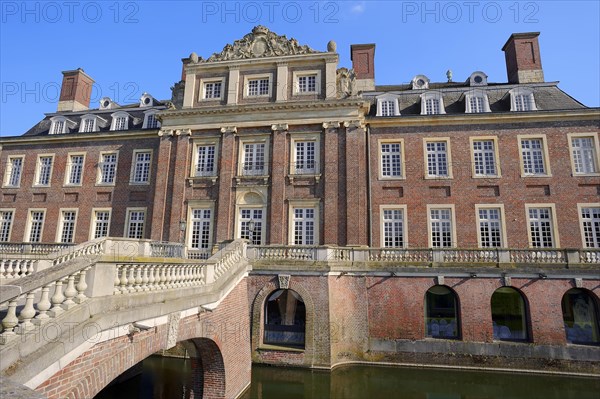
[(363, 63), (76, 91), (523, 62)]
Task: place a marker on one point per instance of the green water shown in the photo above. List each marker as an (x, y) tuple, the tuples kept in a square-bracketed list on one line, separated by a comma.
[(166, 378)]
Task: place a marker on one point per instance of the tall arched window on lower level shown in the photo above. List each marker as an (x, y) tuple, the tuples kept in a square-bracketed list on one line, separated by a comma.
[(441, 313), (509, 315), (285, 319), (580, 315)]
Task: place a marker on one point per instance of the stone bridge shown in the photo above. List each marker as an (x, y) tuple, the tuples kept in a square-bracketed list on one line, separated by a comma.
[(76, 319)]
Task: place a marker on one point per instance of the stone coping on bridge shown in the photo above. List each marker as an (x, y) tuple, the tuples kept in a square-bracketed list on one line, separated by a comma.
[(12, 390)]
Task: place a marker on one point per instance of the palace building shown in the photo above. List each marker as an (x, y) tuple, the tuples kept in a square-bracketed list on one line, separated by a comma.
[(378, 217)]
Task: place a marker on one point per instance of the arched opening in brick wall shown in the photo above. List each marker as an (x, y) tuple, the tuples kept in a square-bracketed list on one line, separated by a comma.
[(208, 368), (580, 317), (442, 313), (510, 315), (285, 319)]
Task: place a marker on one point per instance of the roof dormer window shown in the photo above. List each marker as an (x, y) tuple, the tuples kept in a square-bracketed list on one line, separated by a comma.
[(120, 121), (420, 82), (59, 125), (478, 78), (432, 103), (150, 121), (521, 99), (147, 100), (476, 101), (387, 105), (88, 124)]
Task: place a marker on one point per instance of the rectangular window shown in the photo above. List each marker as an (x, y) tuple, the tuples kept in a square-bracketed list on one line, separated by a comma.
[(14, 169), (304, 226), (523, 102), (432, 106), (258, 87), (484, 158), (476, 104), (67, 226), (254, 159), (107, 168), (393, 228), (541, 228), (437, 159), (44, 171), (532, 153), (58, 127), (101, 224), (212, 90), (590, 220), (135, 223), (88, 125), (585, 158), (305, 153), (251, 225), (441, 228), (151, 122), (307, 84), (6, 218), (391, 160), (205, 160), (36, 224), (200, 239), (121, 123), (75, 169), (490, 227), (141, 167)]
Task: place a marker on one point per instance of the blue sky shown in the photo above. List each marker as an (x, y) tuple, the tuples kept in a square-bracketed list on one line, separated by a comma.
[(131, 47)]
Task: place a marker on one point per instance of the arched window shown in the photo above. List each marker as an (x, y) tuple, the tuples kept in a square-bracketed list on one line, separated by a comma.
[(580, 315), (285, 319), (509, 315), (441, 313)]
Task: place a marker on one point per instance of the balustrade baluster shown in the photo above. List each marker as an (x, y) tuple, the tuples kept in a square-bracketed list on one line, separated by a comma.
[(3, 268), (124, 281), (70, 293), (10, 321), (152, 278), (81, 286), (117, 282), (43, 306), (163, 277), (145, 279), (26, 315), (131, 278), (57, 299), (169, 276), (10, 269), (138, 278)]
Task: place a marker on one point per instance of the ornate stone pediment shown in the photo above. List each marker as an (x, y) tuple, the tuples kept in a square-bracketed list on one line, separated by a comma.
[(260, 43)]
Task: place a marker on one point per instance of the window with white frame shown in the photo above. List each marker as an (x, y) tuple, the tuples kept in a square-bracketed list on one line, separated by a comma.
[(200, 239), (74, 173), (304, 224), (68, 219), (521, 99), (484, 157), (584, 152), (590, 224), (387, 105), (14, 169), (438, 162), (135, 223), (150, 120), (44, 170), (205, 160), (393, 228), (490, 227), (432, 103), (253, 156), (307, 82), (251, 224), (140, 171), (476, 101), (258, 86), (6, 219), (533, 157), (305, 153), (120, 121), (100, 223), (36, 225), (391, 159), (541, 227), (212, 90), (88, 124), (107, 168), (58, 125), (441, 227)]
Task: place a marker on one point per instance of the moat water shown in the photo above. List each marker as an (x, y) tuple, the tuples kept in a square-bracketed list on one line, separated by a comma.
[(169, 378)]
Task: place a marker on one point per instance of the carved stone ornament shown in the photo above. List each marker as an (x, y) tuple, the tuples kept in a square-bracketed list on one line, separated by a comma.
[(173, 329), (261, 42), (440, 280), (346, 83), (284, 281), (578, 282)]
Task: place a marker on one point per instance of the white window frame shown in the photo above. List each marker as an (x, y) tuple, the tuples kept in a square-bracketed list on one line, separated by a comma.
[(248, 78), (203, 253), (596, 237), (134, 166), (94, 222), (519, 93), (129, 211), (204, 82), (299, 138), (58, 125), (29, 225), (427, 140), (303, 204), (485, 103), (69, 169), (500, 208), (435, 96), (382, 239), (4, 222), (195, 159), (147, 115), (595, 156), (99, 181), (86, 118), (296, 75), (553, 219), (384, 98), (545, 155), (496, 154), (239, 220), (453, 237), (115, 117), (61, 225), (380, 144), (38, 171), (9, 171), (242, 155)]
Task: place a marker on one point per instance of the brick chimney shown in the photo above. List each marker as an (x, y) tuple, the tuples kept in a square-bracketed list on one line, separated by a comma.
[(363, 63), (76, 91), (523, 61)]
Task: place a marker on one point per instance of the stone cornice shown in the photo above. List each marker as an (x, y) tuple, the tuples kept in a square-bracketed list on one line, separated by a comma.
[(78, 137)]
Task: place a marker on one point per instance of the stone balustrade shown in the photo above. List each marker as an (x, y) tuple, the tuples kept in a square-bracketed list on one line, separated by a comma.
[(167, 250)]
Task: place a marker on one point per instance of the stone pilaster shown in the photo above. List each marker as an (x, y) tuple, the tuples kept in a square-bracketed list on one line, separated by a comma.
[(178, 183), (162, 181), (233, 85), (331, 181), (225, 206), (356, 192), (279, 169)]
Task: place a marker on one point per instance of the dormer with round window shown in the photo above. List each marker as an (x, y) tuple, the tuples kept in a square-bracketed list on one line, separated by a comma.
[(478, 78), (107, 103), (420, 82), (147, 100)]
